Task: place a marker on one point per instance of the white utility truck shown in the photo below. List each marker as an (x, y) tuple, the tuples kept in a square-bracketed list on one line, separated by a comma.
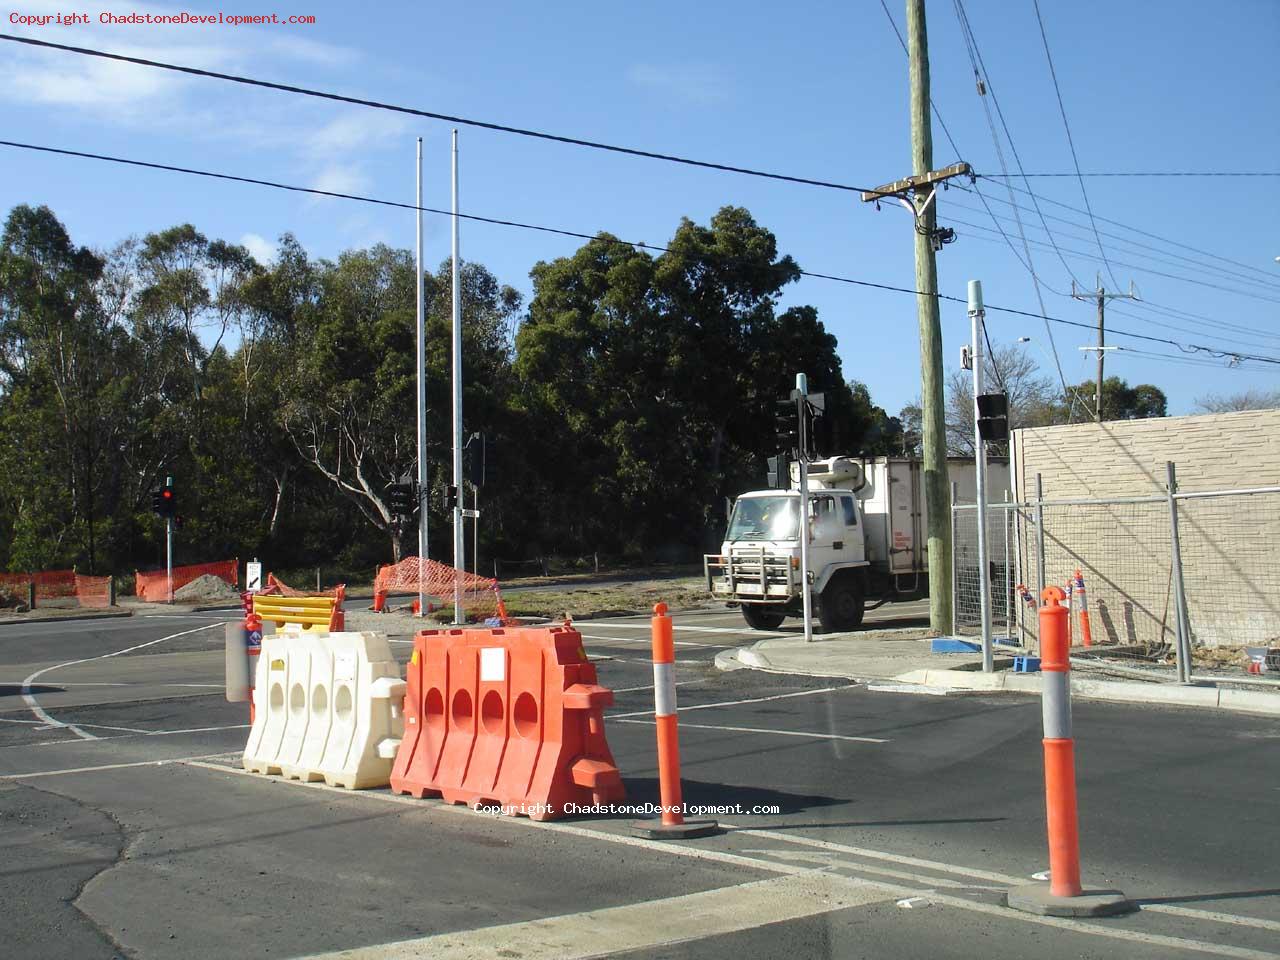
[(868, 539)]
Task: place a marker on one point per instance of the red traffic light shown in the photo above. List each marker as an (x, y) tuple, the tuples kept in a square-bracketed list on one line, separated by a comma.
[(167, 494)]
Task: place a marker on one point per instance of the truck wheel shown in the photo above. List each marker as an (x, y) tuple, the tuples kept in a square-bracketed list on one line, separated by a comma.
[(841, 605), (761, 618)]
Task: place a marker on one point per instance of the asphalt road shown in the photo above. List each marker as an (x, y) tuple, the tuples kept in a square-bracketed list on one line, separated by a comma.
[(127, 829)]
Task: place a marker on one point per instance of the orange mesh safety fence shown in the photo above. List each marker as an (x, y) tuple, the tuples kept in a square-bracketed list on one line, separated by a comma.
[(49, 583), (277, 586), (153, 586), (93, 591), (480, 595)]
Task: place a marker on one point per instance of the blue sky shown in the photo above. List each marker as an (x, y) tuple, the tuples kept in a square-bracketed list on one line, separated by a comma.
[(816, 90)]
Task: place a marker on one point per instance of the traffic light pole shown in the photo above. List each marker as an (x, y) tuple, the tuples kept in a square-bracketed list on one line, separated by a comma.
[(978, 333), (168, 536), (802, 400)]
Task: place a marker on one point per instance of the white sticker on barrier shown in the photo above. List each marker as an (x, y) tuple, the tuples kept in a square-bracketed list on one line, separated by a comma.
[(344, 666), (493, 664)]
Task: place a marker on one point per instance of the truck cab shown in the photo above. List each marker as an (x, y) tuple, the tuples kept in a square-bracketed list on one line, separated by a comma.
[(759, 562)]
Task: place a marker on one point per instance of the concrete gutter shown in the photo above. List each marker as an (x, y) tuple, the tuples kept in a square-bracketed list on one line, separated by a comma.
[(26, 618), (801, 662)]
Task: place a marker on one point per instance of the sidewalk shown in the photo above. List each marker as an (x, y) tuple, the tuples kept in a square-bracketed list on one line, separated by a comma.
[(901, 660)]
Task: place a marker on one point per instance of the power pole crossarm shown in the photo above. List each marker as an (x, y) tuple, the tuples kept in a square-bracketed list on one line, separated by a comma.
[(1101, 297)]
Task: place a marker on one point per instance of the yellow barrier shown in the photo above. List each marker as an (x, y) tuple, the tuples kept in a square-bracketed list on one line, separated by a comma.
[(313, 614)]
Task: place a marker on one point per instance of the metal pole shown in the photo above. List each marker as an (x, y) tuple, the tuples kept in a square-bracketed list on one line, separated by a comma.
[(802, 394), (421, 362), (1180, 594), (955, 592), (980, 463), (1039, 546), (459, 548), (1008, 570), (475, 531), (168, 538)]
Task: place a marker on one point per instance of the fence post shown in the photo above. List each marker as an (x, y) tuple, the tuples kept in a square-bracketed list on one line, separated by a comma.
[(111, 591), (31, 595), (955, 583), (544, 566), (1008, 581), (1179, 588), (1039, 545)]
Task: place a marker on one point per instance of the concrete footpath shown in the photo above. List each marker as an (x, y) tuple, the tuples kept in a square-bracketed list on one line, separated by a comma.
[(901, 660)]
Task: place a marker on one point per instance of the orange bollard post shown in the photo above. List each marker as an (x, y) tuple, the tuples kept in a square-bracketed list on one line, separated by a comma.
[(1086, 635), (673, 825), (1063, 896)]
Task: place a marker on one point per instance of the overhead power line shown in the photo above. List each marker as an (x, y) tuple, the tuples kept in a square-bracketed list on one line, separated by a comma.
[(1188, 348), (1146, 233), (1152, 173), (1263, 280), (432, 115), (1075, 160)]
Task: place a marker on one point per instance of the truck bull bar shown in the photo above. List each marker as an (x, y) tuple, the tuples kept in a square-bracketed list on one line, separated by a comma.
[(750, 577)]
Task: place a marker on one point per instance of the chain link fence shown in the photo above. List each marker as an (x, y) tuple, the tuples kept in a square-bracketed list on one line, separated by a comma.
[(1162, 586)]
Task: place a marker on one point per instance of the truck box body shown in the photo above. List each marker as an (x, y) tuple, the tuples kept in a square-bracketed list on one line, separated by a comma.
[(891, 490)]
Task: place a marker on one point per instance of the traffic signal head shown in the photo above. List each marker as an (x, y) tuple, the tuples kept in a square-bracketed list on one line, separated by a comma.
[(787, 426), (993, 416), (402, 499), (165, 500)]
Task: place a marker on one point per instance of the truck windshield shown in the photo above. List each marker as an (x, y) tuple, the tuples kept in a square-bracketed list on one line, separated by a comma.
[(764, 518)]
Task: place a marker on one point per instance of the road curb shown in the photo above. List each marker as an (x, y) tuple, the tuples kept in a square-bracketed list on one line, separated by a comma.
[(62, 618), (968, 681)]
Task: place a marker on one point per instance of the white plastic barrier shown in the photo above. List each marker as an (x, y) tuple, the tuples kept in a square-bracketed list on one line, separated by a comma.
[(326, 707)]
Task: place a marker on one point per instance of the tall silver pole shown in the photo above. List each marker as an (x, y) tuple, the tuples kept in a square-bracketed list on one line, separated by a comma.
[(980, 462), (802, 397), (955, 529), (1039, 551), (168, 536), (1183, 621), (422, 403), (459, 541)]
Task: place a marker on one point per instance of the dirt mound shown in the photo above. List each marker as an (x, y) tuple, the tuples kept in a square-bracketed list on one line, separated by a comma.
[(206, 589)]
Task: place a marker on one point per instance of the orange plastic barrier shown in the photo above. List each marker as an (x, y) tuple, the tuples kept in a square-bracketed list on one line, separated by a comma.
[(153, 586), (317, 613), (480, 595), (510, 716), (93, 591)]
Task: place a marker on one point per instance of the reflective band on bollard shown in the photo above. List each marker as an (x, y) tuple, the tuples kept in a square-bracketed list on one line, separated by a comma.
[(674, 825), (1063, 896)]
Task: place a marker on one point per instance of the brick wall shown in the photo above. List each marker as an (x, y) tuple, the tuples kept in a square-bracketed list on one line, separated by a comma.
[(1230, 545)]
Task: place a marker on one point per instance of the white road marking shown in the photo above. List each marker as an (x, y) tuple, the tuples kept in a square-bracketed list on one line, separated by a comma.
[(678, 643), (113, 766), (1212, 915), (648, 686), (704, 853), (737, 703), (129, 733), (776, 733), (39, 711), (636, 926), (834, 847), (833, 860), (1001, 878), (756, 634)]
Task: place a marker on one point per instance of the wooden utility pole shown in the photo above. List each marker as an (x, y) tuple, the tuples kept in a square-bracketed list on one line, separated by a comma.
[(1101, 296), (917, 193)]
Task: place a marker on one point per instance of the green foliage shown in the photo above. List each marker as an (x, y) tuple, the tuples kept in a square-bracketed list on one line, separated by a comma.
[(638, 393)]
